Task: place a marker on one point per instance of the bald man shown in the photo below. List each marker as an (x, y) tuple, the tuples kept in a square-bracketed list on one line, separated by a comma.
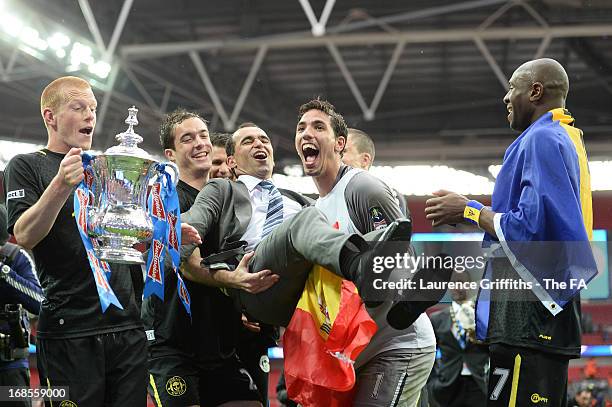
[(542, 194), (359, 153)]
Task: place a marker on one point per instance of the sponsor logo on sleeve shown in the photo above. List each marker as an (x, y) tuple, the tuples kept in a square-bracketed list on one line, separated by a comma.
[(378, 219), (18, 193)]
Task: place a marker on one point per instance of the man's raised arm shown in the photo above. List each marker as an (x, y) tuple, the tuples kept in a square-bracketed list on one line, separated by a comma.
[(35, 223)]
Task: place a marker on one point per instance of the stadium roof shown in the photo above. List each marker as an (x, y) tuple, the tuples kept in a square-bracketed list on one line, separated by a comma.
[(424, 78)]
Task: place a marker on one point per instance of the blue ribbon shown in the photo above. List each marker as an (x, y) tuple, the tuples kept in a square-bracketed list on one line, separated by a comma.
[(83, 198), (183, 294), (163, 205), (154, 277), (164, 209)]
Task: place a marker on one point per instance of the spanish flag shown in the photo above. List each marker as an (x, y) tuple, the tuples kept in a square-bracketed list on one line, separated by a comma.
[(329, 329)]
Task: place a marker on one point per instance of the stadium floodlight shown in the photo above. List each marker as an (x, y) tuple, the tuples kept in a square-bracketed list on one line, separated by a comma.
[(30, 37), (100, 69), (425, 179), (58, 41), (60, 44), (600, 174), (80, 54), (409, 180), (11, 25), (72, 68)]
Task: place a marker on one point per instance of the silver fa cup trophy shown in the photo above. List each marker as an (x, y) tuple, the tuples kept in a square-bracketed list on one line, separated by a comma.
[(118, 218)]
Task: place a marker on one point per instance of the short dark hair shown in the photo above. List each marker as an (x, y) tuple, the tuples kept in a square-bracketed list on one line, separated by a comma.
[(220, 139), (247, 124), (169, 123), (230, 146), (584, 393), (362, 142), (337, 121)]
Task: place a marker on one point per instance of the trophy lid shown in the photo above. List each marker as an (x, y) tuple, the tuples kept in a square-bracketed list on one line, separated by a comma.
[(128, 140)]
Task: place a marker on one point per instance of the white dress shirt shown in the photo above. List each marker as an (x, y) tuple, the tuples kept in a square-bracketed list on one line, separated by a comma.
[(260, 198)]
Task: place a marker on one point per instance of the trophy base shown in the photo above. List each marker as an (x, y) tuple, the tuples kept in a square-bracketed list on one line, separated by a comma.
[(122, 256)]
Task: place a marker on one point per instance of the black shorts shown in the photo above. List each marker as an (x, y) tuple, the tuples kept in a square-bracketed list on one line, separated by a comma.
[(176, 381), (19, 376), (522, 377), (107, 369), (254, 356)]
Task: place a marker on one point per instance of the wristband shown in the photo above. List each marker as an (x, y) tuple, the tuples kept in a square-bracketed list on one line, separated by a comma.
[(471, 213)]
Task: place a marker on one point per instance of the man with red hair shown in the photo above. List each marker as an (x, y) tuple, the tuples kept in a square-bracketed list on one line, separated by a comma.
[(99, 356)]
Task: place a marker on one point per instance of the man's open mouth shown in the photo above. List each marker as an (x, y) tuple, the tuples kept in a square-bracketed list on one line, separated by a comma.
[(310, 152), (86, 130), (260, 155)]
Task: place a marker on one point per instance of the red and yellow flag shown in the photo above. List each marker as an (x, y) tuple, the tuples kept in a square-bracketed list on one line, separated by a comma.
[(329, 329)]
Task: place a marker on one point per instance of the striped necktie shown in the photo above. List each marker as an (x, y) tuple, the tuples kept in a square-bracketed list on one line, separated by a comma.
[(457, 329), (274, 217)]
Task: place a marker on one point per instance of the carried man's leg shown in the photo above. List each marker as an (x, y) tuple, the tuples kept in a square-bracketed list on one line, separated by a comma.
[(294, 247)]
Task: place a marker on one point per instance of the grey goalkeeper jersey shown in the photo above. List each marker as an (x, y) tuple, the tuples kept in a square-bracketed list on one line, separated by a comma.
[(361, 203)]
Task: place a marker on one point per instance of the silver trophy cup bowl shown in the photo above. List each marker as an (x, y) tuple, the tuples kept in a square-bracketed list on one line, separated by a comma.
[(118, 219)]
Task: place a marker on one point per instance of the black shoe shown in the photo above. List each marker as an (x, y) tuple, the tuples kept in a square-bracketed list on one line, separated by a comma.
[(398, 231), (415, 302)]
